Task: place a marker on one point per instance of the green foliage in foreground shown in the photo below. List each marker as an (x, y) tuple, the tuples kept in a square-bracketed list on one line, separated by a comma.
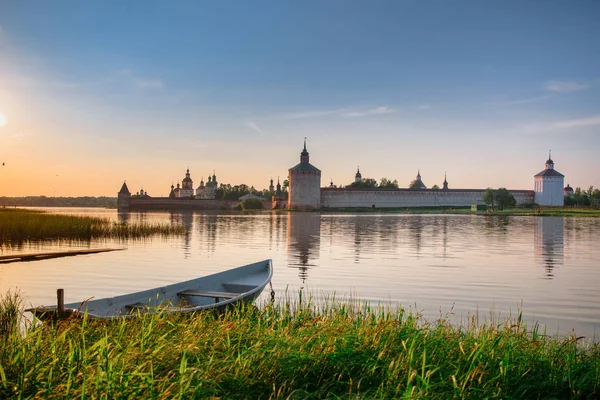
[(252, 204), (20, 225), (294, 352)]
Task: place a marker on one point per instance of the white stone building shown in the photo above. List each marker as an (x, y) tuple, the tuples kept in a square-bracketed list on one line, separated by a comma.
[(304, 184), (208, 191), (549, 186), (187, 186)]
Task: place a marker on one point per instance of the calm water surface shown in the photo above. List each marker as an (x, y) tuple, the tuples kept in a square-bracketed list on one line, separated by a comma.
[(546, 267)]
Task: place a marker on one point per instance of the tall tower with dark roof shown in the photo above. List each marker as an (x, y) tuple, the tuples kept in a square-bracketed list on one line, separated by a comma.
[(123, 197), (549, 185), (304, 190)]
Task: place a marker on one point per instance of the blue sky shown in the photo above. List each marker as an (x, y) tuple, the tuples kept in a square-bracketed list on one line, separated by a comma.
[(97, 92)]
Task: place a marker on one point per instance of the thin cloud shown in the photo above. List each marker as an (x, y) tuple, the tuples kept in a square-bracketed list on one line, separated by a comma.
[(254, 127), (365, 113), (565, 86), (565, 124), (340, 112), (423, 107), (520, 101), (149, 83), (314, 114)]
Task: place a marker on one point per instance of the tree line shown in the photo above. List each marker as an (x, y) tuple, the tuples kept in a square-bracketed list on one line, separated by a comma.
[(229, 192), (370, 183), (580, 197), (43, 201)]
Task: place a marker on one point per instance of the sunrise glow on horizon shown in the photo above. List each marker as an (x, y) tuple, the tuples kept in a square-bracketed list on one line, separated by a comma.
[(93, 94)]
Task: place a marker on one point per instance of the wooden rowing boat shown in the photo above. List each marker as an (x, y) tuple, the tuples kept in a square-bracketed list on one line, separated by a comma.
[(241, 284)]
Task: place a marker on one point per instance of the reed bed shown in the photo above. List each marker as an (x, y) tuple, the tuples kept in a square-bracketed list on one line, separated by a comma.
[(22, 225), (297, 350)]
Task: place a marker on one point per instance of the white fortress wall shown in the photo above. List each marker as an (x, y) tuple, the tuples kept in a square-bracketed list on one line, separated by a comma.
[(382, 198)]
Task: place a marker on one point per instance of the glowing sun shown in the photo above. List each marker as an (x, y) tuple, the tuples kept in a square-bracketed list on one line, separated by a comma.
[(2, 120)]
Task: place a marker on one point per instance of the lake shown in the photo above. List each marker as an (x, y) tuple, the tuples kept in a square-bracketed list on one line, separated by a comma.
[(455, 266)]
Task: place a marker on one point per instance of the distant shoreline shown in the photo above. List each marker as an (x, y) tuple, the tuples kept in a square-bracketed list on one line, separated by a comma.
[(587, 212), (567, 211)]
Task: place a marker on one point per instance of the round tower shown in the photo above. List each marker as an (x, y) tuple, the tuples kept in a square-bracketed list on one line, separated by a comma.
[(304, 190)]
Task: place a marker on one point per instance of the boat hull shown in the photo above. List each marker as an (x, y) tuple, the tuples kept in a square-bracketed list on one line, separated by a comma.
[(216, 291)]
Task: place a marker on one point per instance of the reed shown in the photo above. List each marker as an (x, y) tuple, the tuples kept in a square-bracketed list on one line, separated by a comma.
[(296, 350), (11, 307), (20, 225)]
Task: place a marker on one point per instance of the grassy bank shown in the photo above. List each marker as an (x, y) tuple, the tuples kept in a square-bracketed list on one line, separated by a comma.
[(525, 211), (330, 351), (19, 225)]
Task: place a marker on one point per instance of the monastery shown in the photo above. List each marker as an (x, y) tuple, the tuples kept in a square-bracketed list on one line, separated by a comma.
[(305, 193)]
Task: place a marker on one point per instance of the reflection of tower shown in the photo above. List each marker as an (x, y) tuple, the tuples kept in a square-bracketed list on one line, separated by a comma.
[(357, 237), (207, 228), (549, 233), (304, 239), (415, 226), (123, 216), (185, 218)]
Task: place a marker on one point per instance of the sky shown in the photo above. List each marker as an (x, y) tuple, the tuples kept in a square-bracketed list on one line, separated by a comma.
[(97, 92)]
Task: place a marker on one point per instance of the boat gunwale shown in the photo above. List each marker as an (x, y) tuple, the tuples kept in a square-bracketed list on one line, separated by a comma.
[(80, 308)]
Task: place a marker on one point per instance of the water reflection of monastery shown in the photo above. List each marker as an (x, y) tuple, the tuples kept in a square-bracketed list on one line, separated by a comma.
[(549, 243), (303, 239)]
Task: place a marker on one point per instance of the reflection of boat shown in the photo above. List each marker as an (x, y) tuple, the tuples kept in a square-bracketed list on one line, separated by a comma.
[(242, 284)]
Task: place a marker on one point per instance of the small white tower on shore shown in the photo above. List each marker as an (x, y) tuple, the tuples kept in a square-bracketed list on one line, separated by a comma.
[(549, 185)]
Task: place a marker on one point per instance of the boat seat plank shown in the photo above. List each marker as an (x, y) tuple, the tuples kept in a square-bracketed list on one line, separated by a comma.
[(207, 293), (136, 306)]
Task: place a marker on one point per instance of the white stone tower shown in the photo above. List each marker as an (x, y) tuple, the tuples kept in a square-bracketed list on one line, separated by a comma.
[(549, 186), (304, 184)]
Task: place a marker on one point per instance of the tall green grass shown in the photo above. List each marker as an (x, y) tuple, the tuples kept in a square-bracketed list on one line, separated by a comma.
[(21, 225), (288, 350)]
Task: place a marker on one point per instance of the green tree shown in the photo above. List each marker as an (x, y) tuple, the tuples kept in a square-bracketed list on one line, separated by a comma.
[(415, 185), (580, 197), (595, 197), (387, 184), (435, 187), (569, 201), (367, 183), (504, 198), (489, 197), (251, 204)]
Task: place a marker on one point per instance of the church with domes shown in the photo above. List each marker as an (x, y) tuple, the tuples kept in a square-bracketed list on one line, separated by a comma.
[(186, 190)]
